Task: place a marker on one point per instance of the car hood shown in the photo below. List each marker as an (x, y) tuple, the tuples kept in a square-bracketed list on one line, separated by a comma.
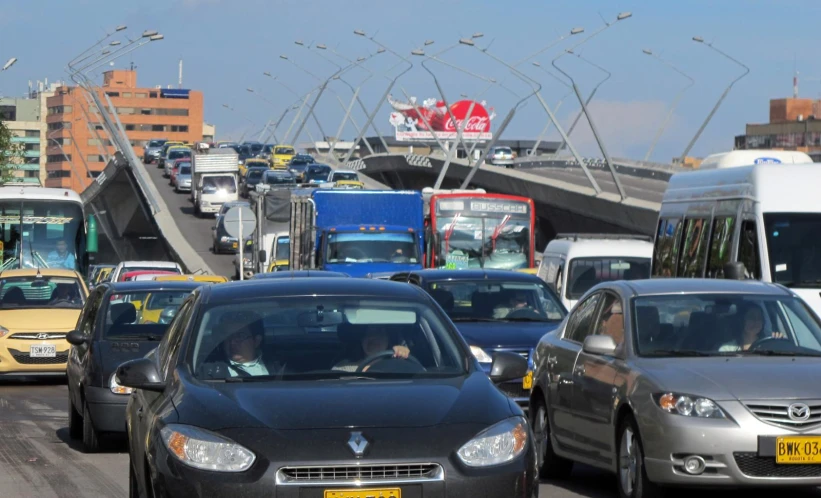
[(333, 404), (515, 335), (736, 378), (39, 319)]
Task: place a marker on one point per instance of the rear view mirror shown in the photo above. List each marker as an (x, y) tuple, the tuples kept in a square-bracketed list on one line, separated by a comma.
[(600, 345), (140, 374), (507, 366), (76, 338), (319, 318), (261, 255), (734, 270)]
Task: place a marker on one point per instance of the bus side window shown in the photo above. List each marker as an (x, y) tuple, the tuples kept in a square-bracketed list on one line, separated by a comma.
[(720, 246), (691, 263), (668, 248), (748, 250), (658, 257)]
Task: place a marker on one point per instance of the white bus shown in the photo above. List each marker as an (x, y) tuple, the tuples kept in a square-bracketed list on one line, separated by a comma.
[(767, 217), (738, 158), (44, 227)]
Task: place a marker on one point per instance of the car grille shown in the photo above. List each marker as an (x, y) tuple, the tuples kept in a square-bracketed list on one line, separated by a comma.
[(23, 358), (778, 414), (394, 472), (513, 390), (37, 336), (753, 465)]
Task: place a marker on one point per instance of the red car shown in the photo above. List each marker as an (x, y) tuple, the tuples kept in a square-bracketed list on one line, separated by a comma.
[(132, 275), (176, 167)]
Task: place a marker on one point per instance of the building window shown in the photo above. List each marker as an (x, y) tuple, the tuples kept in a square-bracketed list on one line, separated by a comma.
[(141, 95), (125, 110), (159, 128), (145, 112), (59, 109), (58, 158), (59, 126), (95, 158), (113, 94), (8, 113), (32, 133), (58, 174), (32, 173), (60, 141), (126, 95), (179, 129), (28, 147), (153, 95), (97, 141)]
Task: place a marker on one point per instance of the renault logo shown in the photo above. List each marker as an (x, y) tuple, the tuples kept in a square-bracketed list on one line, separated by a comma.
[(357, 443), (798, 412)]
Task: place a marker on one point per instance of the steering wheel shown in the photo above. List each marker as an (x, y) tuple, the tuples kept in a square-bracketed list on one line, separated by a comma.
[(768, 340), (383, 356), (525, 313)]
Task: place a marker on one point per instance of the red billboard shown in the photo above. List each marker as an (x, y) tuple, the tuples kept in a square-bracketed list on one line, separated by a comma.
[(432, 121)]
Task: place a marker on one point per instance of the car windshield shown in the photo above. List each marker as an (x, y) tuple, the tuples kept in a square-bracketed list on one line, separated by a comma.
[(283, 248), (314, 173), (588, 272), (177, 154), (345, 175), (255, 174), (215, 184), (278, 179), (41, 292), (722, 324), (372, 247), (141, 315), (482, 300), (323, 337), (298, 166), (156, 143), (503, 150), (794, 248), (185, 170), (181, 164), (147, 268), (284, 150)]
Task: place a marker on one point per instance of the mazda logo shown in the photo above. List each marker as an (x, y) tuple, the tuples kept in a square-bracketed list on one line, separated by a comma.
[(798, 412), (357, 443)]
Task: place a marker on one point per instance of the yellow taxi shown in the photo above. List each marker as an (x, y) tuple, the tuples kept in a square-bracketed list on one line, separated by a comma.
[(154, 304), (349, 185), (206, 279), (102, 275), (255, 161), (529, 271), (279, 265), (38, 307), (281, 155)]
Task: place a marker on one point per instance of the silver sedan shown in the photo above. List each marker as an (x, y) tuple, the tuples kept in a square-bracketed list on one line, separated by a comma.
[(683, 382)]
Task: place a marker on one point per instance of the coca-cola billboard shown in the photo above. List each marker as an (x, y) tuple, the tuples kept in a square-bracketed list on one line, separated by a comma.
[(432, 121)]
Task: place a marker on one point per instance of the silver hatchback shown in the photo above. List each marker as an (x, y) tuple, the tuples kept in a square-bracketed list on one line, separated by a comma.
[(683, 382)]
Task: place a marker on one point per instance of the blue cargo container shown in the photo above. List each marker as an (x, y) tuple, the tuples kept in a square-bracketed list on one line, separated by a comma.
[(364, 233)]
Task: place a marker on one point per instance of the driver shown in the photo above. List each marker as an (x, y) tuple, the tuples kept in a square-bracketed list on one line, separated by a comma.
[(61, 257), (62, 293), (751, 330), (375, 340), (242, 346), (517, 301)]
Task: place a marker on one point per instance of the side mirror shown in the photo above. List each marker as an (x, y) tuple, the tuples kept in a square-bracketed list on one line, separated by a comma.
[(140, 374), (507, 366), (261, 255), (76, 338), (600, 345), (734, 270)]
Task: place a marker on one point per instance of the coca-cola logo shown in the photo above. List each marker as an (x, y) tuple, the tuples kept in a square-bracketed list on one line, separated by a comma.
[(478, 122)]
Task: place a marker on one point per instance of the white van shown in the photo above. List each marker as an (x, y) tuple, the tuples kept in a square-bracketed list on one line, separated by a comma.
[(767, 217), (738, 158), (573, 263)]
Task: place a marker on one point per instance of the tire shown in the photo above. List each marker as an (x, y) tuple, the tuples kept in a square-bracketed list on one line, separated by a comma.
[(75, 421), (631, 476), (551, 466), (91, 440)]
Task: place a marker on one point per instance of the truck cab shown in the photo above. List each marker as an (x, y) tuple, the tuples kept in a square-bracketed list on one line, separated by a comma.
[(215, 180)]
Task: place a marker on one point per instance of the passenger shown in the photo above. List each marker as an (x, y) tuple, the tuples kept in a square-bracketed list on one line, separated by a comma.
[(242, 347), (751, 331), (374, 341)]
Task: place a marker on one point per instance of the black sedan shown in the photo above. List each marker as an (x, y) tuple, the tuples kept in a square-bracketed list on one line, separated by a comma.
[(495, 310), (311, 387), (119, 322), (300, 274)]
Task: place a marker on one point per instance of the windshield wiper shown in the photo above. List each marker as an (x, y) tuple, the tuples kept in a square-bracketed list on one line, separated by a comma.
[(689, 352), (475, 319)]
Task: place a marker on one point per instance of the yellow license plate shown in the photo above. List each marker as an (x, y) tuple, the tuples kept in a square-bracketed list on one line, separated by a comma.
[(363, 493), (798, 450), (527, 381), (235, 245)]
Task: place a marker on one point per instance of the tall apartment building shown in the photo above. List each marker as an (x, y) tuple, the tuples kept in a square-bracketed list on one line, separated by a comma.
[(23, 118), (78, 144)]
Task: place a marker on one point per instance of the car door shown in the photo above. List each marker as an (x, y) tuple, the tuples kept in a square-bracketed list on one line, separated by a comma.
[(78, 355), (561, 358), (594, 381)]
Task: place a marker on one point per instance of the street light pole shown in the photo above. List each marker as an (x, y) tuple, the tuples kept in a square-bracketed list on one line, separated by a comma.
[(589, 98), (672, 106), (699, 39), (596, 135), (556, 109)]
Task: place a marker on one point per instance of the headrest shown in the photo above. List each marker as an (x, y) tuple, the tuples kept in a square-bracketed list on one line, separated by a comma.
[(122, 313)]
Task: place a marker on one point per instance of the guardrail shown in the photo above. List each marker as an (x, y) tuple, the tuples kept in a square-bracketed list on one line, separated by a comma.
[(641, 169)]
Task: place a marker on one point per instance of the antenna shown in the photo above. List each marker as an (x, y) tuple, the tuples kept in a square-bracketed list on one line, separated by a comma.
[(795, 77), (180, 82)]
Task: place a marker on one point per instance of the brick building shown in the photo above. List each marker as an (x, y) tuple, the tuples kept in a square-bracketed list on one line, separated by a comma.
[(146, 113), (795, 124)]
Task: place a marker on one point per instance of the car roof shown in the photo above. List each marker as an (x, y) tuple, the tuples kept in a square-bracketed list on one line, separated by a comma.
[(274, 287), (658, 286), (46, 272), (151, 285), (508, 275), (301, 274)]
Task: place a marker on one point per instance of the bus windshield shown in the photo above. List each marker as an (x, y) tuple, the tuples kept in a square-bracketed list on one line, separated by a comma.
[(794, 248), (41, 233), (491, 234)]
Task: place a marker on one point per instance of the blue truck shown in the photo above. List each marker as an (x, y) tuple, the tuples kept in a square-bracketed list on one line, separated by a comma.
[(364, 233)]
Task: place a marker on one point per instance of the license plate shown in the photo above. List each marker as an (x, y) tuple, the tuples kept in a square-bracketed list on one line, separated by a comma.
[(363, 493), (234, 245), (798, 450), (43, 351), (527, 381)]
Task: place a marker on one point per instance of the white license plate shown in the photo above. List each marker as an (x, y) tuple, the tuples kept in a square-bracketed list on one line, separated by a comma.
[(43, 351)]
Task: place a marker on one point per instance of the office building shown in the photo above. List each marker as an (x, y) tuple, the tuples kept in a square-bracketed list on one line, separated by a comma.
[(795, 124)]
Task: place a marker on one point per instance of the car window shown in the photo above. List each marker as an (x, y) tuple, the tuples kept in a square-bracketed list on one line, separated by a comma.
[(467, 300), (611, 319), (319, 337), (90, 317), (721, 324), (586, 273), (580, 323), (171, 344), (30, 292)]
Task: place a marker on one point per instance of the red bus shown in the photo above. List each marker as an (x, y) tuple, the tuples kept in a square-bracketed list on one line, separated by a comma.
[(480, 230)]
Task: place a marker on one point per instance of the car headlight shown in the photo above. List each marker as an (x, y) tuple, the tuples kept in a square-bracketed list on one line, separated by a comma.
[(496, 445), (224, 238), (205, 450), (688, 405), (480, 354), (116, 388)]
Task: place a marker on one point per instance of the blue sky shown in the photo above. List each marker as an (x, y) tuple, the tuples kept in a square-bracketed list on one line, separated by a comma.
[(226, 46)]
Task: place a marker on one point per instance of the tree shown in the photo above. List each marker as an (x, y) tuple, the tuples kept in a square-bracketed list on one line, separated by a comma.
[(11, 153)]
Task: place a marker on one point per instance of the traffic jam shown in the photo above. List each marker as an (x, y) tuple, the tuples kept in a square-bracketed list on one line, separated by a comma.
[(399, 343)]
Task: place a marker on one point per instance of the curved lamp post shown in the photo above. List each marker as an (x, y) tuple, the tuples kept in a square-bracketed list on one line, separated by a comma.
[(672, 106)]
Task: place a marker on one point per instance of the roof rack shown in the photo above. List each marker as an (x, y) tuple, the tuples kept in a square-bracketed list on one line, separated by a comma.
[(606, 236)]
